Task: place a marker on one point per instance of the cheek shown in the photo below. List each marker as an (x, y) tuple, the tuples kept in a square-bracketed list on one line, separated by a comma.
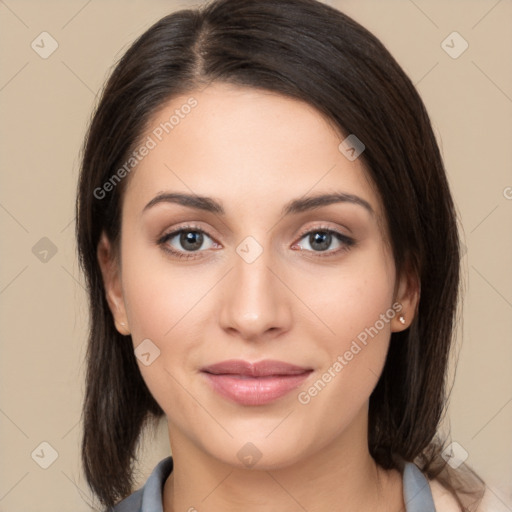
[(163, 304), (350, 299), (355, 314), (157, 313), (158, 293)]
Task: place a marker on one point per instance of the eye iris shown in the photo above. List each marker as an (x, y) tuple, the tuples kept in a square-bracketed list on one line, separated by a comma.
[(191, 237), (321, 237)]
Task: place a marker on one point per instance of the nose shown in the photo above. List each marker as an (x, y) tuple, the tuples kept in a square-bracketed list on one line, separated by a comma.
[(256, 303)]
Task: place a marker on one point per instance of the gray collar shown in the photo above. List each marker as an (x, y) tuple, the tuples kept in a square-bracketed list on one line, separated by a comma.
[(417, 493)]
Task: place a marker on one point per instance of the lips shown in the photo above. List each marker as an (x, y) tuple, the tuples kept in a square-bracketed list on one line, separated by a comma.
[(254, 383), (264, 368)]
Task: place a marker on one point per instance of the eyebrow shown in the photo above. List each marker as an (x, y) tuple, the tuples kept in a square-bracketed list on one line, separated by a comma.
[(295, 206)]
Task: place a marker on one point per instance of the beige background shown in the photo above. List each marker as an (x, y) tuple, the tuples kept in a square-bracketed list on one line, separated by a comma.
[(45, 105)]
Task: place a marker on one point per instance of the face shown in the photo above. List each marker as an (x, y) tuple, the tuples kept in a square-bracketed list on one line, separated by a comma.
[(257, 273)]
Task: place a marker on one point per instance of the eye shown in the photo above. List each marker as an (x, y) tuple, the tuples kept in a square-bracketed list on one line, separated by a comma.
[(188, 239), (320, 239)]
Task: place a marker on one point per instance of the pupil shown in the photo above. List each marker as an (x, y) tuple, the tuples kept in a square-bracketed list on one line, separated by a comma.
[(321, 237)]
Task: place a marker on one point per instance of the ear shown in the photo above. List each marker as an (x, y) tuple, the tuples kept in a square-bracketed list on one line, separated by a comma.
[(407, 295), (110, 271)]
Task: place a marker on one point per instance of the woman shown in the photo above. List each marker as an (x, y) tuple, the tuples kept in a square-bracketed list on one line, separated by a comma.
[(272, 259)]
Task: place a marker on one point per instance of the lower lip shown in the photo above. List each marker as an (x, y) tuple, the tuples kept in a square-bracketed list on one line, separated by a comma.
[(255, 390)]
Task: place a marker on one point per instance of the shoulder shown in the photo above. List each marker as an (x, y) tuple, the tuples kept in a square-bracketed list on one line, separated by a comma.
[(132, 503), (149, 497), (444, 500)]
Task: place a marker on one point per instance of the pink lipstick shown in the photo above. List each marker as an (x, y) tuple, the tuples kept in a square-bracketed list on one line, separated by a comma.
[(254, 383)]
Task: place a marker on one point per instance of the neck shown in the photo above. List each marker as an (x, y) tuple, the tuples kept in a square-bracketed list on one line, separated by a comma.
[(340, 476)]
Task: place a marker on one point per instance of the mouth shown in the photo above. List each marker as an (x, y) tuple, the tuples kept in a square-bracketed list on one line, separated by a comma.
[(254, 383)]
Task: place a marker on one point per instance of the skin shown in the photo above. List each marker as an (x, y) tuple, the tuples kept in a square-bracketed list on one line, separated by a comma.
[(255, 151)]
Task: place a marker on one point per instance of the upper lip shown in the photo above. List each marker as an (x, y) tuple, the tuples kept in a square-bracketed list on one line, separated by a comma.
[(263, 368)]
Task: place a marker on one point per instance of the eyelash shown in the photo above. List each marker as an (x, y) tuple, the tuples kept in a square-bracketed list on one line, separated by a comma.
[(344, 239)]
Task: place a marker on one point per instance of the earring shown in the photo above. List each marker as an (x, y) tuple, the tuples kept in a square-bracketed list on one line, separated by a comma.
[(401, 319), (122, 327)]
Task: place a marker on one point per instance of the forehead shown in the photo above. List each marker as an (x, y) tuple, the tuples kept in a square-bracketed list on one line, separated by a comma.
[(249, 147)]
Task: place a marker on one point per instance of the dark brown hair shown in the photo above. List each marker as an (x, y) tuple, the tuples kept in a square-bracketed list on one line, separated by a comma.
[(312, 52)]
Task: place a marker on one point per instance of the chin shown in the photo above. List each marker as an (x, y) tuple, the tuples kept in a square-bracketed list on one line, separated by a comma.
[(258, 453)]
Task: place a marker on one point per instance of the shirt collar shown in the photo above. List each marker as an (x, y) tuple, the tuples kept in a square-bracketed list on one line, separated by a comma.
[(416, 489)]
